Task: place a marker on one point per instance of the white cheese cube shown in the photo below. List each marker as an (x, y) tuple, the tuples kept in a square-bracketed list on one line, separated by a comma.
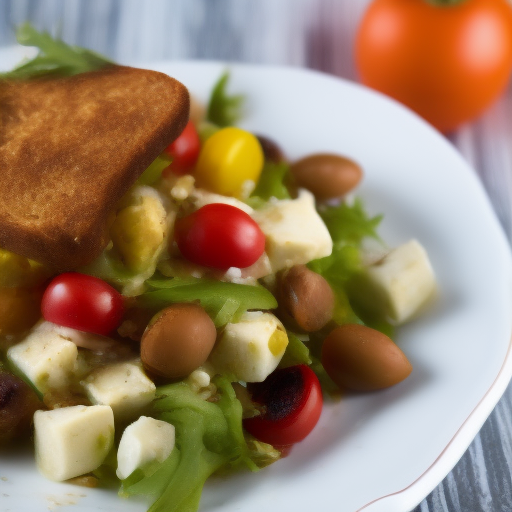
[(47, 356), (398, 284), (72, 441), (295, 233), (252, 348), (123, 386), (142, 442)]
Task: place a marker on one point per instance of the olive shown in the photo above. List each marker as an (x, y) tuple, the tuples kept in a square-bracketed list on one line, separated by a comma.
[(327, 175), (306, 296), (271, 151), (177, 341), (18, 402), (359, 358)]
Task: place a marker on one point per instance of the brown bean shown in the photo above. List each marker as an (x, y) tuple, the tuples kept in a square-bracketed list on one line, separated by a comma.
[(326, 175), (363, 359), (178, 341), (306, 296)]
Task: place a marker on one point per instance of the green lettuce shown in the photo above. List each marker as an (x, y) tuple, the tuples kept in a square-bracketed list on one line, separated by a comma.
[(296, 352), (224, 302), (55, 57), (272, 183), (348, 225), (209, 438), (153, 173), (224, 109)]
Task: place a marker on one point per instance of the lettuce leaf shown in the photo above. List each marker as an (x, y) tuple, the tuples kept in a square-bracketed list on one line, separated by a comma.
[(209, 437), (348, 225), (296, 352), (155, 169), (224, 109), (224, 302), (272, 183), (54, 57)]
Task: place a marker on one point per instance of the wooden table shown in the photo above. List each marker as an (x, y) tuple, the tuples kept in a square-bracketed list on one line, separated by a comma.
[(317, 34)]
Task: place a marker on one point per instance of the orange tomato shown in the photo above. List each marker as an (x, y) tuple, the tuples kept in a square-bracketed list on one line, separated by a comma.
[(448, 61)]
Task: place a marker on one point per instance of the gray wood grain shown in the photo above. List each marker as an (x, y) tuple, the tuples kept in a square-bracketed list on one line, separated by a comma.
[(318, 34)]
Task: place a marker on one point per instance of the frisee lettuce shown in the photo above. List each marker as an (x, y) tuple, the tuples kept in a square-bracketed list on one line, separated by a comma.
[(224, 109), (348, 225), (55, 57)]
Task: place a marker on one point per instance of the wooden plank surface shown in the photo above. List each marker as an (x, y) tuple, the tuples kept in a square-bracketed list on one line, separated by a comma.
[(317, 34)]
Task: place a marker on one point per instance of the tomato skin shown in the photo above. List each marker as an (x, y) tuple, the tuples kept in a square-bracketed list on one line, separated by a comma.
[(229, 158), (184, 151), (295, 389), (448, 63), (219, 236), (82, 302)]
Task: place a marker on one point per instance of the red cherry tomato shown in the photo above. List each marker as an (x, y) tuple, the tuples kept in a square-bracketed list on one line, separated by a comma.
[(219, 236), (184, 151), (293, 400), (446, 61), (82, 302)]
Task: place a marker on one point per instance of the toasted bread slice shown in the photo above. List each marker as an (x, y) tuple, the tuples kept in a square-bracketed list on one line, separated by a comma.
[(69, 150)]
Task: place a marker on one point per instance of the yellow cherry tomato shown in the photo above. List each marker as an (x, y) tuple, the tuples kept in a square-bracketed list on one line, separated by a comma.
[(228, 159)]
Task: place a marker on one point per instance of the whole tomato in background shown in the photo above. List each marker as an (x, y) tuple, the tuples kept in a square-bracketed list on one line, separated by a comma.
[(447, 60)]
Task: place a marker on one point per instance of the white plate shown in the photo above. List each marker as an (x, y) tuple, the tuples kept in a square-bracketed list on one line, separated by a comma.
[(380, 452)]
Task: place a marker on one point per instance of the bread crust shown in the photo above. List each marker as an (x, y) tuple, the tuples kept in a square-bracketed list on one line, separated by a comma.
[(70, 148)]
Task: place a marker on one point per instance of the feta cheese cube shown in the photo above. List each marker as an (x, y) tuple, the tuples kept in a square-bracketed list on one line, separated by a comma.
[(142, 442), (398, 284), (252, 348), (123, 386), (72, 441), (47, 356), (295, 233)]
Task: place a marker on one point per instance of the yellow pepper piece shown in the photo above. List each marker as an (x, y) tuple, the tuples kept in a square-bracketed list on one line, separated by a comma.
[(20, 308), (139, 231), (228, 159), (18, 271)]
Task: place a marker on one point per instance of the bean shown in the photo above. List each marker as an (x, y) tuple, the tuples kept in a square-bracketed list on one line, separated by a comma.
[(326, 175), (306, 296), (359, 358), (178, 341)]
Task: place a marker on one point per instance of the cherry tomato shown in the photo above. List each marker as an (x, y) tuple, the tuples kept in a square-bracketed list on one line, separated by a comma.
[(229, 158), (446, 62), (219, 236), (293, 400), (82, 302), (184, 151)]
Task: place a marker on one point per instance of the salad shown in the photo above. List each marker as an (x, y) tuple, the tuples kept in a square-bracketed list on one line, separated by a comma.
[(235, 294)]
